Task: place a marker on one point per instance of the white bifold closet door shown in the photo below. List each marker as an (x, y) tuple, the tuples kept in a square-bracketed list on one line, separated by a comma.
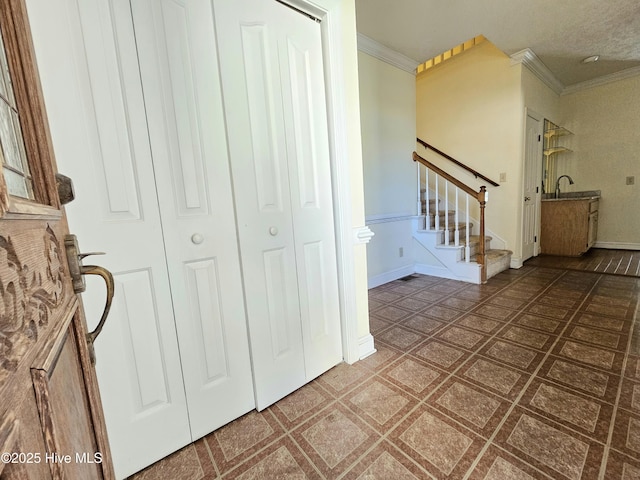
[(274, 97), (196, 134), (132, 90), (180, 80)]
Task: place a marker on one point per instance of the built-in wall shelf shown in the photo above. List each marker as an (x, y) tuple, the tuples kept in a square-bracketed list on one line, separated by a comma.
[(551, 147), (556, 132), (552, 150)]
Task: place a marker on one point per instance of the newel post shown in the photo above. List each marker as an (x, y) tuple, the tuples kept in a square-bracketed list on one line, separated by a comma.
[(482, 255)]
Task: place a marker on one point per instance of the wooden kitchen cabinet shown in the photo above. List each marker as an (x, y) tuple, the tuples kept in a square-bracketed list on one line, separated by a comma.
[(568, 226)]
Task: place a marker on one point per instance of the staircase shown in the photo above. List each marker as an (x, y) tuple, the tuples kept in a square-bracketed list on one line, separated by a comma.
[(443, 227)]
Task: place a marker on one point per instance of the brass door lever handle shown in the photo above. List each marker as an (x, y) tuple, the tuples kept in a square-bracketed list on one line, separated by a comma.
[(77, 271), (108, 280)]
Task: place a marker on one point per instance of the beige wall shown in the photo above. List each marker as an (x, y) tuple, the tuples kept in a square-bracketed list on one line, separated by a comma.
[(540, 98), (471, 107), (605, 121)]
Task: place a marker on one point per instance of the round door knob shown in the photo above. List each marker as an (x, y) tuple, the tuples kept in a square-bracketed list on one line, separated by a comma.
[(273, 231), (197, 238)]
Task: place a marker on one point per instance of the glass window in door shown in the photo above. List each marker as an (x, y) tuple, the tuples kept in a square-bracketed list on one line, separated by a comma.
[(13, 157)]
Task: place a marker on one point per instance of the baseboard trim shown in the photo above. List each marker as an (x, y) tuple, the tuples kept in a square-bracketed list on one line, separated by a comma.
[(366, 346), (434, 271), (390, 276), (516, 262), (617, 245)]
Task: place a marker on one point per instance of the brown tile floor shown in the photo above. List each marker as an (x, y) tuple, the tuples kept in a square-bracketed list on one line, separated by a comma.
[(534, 375)]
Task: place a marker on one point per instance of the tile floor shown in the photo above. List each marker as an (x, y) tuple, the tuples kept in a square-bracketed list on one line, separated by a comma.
[(534, 375)]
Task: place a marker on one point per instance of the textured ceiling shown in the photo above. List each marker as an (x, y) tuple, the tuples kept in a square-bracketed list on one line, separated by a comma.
[(561, 33)]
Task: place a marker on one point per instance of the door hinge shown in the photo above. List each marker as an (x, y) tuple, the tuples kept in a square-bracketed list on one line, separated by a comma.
[(535, 239), (539, 137), (537, 189)]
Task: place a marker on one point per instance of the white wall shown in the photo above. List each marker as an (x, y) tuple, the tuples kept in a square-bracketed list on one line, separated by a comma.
[(388, 112), (471, 107), (605, 121)]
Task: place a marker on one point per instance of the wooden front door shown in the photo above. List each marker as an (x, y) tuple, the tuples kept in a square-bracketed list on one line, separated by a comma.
[(51, 423)]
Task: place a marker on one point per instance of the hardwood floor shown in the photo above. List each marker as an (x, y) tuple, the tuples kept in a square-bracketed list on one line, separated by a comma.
[(599, 260)]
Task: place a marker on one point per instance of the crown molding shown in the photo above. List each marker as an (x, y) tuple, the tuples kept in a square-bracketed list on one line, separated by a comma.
[(596, 82), (371, 47), (530, 60)]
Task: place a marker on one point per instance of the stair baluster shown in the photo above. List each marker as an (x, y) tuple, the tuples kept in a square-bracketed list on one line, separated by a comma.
[(456, 236), (437, 210), (446, 212), (419, 209), (427, 210), (478, 265), (467, 247)]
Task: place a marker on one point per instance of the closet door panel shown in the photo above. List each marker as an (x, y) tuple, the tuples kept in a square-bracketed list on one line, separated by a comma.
[(179, 72), (96, 109), (247, 35), (263, 105), (138, 328), (272, 75), (204, 286), (305, 116)]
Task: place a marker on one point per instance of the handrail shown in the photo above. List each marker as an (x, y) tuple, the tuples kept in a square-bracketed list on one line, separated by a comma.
[(457, 162), (480, 196)]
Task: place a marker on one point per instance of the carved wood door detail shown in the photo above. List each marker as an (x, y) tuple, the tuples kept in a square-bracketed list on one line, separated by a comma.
[(51, 423)]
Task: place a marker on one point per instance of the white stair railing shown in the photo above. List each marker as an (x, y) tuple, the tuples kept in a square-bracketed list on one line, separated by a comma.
[(480, 197)]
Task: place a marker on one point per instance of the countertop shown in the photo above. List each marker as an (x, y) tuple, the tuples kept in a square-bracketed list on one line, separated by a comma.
[(585, 195)]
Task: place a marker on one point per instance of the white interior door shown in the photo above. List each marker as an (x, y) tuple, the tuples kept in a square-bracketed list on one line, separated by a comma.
[(273, 82), (532, 173), (96, 110), (180, 79)]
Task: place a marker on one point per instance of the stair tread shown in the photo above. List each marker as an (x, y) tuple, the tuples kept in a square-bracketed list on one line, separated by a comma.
[(496, 254), (452, 226), (453, 256)]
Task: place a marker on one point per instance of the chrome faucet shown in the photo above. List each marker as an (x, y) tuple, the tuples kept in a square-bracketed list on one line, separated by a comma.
[(558, 184)]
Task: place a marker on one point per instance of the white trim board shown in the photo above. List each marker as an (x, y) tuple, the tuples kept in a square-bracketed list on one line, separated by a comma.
[(388, 218), (530, 60), (617, 245), (366, 346), (434, 271), (391, 275), (381, 52)]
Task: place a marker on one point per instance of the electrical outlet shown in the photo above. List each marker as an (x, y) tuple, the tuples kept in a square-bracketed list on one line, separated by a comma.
[(503, 177), (401, 252), (631, 180)]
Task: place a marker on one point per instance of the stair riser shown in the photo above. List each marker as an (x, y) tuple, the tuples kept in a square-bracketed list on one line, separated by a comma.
[(474, 248)]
